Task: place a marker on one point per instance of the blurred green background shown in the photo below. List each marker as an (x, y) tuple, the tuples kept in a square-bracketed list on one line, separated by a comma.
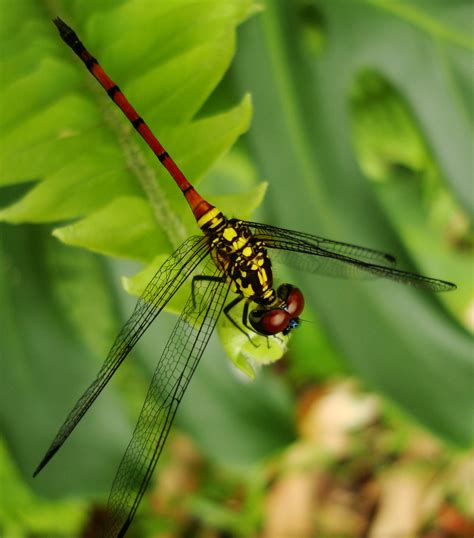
[(350, 119)]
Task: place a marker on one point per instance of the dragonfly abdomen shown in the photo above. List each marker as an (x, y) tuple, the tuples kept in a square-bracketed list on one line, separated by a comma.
[(198, 205)]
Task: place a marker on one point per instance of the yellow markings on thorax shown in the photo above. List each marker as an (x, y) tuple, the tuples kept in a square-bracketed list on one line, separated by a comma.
[(229, 234), (243, 259), (240, 242), (238, 287)]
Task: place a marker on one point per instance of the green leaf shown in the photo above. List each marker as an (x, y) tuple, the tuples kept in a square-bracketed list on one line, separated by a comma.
[(57, 317), (124, 228), (401, 341), (136, 284), (197, 151), (21, 510), (90, 164), (392, 153), (408, 213), (249, 201), (235, 421), (66, 193), (81, 162), (87, 160), (245, 353)]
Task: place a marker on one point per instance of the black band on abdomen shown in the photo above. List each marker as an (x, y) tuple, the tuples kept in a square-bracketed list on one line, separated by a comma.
[(136, 123), (112, 91)]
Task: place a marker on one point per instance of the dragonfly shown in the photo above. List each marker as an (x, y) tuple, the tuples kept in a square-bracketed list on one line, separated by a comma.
[(230, 255)]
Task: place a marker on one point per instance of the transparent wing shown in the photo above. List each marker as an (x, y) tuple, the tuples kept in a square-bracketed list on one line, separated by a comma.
[(171, 275), (172, 375), (264, 231), (323, 256)]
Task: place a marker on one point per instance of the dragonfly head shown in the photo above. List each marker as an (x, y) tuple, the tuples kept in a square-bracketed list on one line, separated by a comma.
[(282, 316)]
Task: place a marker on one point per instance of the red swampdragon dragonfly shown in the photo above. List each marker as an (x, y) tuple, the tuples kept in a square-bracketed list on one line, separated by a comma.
[(232, 255)]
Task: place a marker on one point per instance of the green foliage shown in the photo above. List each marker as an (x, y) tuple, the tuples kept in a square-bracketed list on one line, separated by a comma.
[(318, 119), (303, 62), (91, 165), (44, 333), (21, 510), (89, 162), (78, 161), (408, 184)]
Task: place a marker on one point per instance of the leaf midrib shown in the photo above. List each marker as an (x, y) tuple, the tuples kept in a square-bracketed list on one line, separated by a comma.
[(163, 214)]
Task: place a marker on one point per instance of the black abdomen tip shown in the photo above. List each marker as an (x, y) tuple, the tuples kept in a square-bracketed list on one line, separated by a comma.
[(64, 30), (68, 35)]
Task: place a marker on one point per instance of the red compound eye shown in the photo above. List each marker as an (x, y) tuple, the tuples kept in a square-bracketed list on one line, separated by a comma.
[(295, 303), (275, 321), (271, 322), (279, 320)]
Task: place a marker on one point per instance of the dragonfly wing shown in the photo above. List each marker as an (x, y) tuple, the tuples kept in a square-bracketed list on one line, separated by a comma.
[(172, 375), (323, 256), (264, 231), (315, 254), (171, 275), (314, 263)]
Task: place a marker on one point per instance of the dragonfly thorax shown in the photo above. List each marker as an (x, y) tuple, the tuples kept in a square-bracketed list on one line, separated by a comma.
[(242, 257)]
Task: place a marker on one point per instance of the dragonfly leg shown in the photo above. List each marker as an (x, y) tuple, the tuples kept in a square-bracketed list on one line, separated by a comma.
[(277, 338), (200, 278), (227, 310), (245, 317)]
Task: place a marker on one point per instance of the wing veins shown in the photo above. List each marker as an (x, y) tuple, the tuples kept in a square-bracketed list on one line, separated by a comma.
[(265, 232), (186, 258), (299, 243), (172, 375)]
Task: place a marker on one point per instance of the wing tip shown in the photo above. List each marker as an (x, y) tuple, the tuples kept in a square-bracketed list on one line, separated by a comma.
[(51, 452), (448, 286)]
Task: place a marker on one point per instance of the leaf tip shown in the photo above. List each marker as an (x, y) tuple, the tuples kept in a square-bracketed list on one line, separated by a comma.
[(11, 215), (255, 8), (58, 234), (127, 284)]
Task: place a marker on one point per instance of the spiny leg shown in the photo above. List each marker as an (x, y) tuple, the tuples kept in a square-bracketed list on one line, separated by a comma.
[(245, 317), (227, 310)]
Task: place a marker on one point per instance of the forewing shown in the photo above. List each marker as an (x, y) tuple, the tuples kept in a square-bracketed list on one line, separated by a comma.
[(171, 275), (172, 375), (264, 231), (323, 256)]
